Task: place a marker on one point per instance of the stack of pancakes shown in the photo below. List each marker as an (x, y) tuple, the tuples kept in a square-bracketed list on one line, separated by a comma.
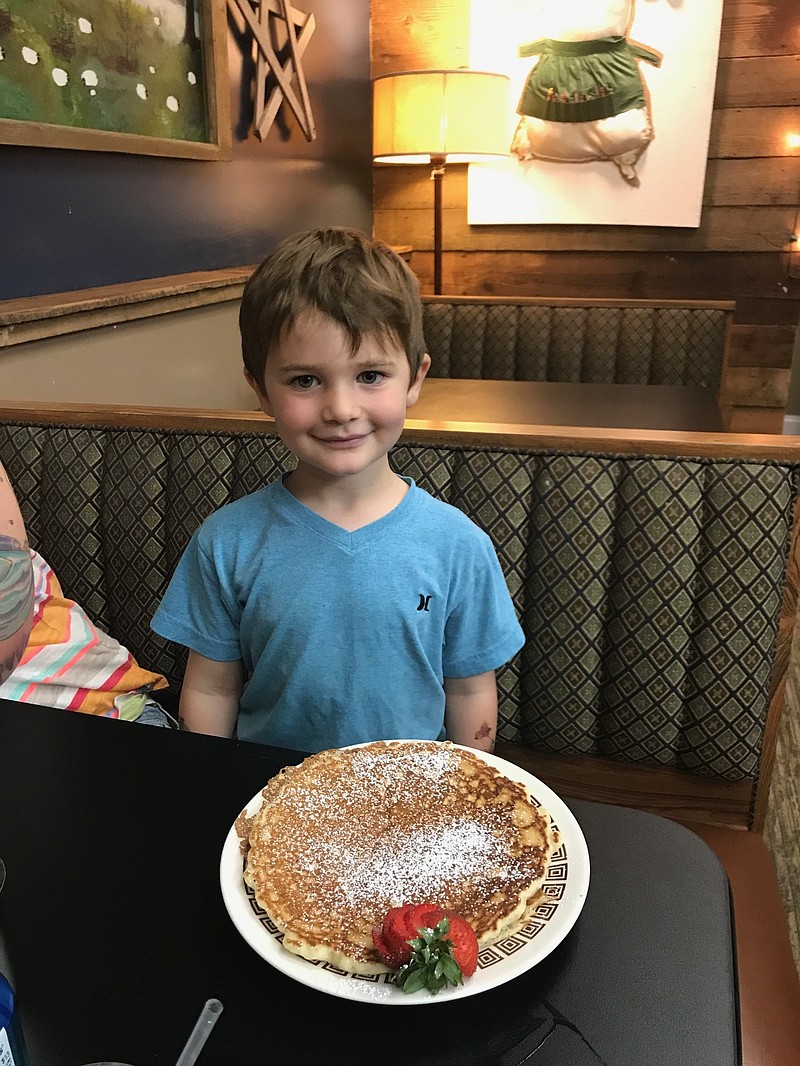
[(351, 832)]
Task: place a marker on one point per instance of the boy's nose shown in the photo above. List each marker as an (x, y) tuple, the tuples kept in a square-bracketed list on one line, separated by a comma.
[(340, 405)]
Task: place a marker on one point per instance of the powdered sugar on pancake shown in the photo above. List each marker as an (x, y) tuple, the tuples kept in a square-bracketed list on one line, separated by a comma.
[(428, 764), (409, 861), (413, 865)]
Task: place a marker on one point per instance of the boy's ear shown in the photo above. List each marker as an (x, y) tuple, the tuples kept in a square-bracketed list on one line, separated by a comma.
[(263, 399), (416, 384)]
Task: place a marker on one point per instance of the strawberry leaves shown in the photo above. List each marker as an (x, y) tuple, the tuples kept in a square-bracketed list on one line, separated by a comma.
[(432, 965)]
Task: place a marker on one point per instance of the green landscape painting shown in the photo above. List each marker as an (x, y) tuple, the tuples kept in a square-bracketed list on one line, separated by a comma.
[(127, 66)]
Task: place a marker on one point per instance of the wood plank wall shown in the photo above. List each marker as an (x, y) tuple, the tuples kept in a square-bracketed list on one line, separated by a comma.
[(741, 250)]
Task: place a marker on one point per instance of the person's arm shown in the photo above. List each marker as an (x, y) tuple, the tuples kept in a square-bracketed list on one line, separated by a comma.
[(210, 695), (470, 713), (16, 580)]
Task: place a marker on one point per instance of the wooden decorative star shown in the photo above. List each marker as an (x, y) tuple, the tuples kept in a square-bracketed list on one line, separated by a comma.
[(269, 21)]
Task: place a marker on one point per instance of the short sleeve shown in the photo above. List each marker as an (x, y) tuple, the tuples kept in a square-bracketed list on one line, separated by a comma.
[(482, 631), (198, 609)]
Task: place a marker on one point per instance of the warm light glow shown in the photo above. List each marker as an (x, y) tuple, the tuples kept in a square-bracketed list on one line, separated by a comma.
[(460, 114), (793, 140)]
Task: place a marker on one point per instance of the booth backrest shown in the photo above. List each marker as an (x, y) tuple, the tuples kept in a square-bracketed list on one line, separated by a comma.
[(652, 587), (538, 339)]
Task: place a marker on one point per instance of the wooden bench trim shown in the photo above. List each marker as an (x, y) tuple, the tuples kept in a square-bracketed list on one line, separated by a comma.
[(758, 446), (769, 988), (657, 789), (580, 301)]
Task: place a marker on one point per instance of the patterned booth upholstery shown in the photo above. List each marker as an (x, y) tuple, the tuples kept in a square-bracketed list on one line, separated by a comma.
[(650, 586), (532, 339)]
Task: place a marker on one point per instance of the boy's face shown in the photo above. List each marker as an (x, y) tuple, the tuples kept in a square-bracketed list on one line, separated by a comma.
[(337, 412)]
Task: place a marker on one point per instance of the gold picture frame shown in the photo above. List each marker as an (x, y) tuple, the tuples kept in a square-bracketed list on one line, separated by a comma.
[(216, 144)]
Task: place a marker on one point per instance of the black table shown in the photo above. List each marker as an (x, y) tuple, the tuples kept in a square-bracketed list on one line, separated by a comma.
[(111, 833)]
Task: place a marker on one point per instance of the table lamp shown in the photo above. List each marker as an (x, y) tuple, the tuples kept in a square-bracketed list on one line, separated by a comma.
[(432, 116)]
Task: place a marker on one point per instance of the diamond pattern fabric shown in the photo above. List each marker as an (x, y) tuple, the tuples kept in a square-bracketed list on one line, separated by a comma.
[(649, 587), (533, 342)]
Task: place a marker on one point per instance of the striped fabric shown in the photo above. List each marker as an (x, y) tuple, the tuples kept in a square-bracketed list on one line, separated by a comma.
[(70, 663)]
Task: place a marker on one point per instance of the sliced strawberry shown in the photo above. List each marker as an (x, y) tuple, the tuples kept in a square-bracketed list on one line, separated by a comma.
[(442, 954), (393, 959), (455, 944), (464, 943), (395, 922), (396, 933), (422, 916), (401, 925)]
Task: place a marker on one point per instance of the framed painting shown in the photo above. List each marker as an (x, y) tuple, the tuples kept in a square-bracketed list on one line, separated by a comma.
[(140, 76)]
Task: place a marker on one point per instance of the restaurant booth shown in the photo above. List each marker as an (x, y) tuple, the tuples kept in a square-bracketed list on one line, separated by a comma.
[(606, 400)]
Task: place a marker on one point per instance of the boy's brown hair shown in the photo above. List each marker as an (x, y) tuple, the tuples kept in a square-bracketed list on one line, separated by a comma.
[(360, 283)]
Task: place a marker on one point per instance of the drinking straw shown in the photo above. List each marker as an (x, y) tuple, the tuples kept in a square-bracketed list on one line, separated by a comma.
[(201, 1032)]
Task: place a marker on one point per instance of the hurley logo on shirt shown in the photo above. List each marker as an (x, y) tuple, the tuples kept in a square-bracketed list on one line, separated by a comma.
[(423, 602)]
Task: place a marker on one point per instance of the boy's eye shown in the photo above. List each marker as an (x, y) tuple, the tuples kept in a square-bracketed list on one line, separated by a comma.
[(303, 381), (371, 377)]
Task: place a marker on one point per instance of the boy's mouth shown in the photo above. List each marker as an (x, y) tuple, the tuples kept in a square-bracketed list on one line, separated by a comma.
[(342, 442)]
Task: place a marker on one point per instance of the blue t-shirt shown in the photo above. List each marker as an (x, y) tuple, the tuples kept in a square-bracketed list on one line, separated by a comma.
[(345, 636)]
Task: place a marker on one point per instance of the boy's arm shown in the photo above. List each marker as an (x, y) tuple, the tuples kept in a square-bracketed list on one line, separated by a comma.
[(210, 695), (470, 711)]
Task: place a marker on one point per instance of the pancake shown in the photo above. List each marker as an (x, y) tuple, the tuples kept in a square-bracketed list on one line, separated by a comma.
[(351, 832)]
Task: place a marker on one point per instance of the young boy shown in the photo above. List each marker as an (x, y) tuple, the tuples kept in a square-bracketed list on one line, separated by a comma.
[(341, 603)]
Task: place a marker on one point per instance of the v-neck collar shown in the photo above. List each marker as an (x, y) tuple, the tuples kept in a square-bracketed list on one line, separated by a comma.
[(348, 540)]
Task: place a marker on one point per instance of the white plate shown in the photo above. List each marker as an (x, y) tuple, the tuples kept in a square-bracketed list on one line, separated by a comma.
[(565, 888)]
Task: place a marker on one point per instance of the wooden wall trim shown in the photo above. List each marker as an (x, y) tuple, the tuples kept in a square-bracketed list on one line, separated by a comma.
[(37, 317)]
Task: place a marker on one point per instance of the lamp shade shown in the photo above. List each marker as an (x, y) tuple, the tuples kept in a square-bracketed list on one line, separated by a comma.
[(419, 114)]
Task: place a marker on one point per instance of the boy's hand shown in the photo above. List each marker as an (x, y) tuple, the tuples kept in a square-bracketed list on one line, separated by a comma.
[(210, 695), (470, 714)]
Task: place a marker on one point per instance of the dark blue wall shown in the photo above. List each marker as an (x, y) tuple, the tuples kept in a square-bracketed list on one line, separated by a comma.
[(75, 219)]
